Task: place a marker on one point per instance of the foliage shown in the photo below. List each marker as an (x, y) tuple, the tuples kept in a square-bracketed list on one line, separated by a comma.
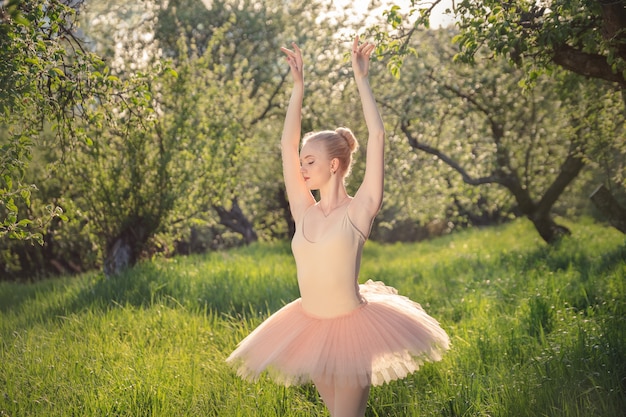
[(166, 153), (145, 142), (585, 38), (170, 155), (177, 125), (522, 150), (536, 330), (44, 78)]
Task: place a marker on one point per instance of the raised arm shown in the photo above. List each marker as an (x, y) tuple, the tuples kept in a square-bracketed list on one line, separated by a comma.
[(369, 197), (297, 192)]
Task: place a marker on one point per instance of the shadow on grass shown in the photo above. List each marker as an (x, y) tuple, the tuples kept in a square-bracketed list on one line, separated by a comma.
[(151, 283), (568, 254), (145, 285)]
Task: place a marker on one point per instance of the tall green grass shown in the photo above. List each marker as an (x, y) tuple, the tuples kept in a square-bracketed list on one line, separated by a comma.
[(536, 331)]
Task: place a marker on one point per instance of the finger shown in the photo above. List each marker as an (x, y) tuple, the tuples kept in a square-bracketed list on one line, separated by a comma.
[(290, 60), (367, 48), (297, 53), (355, 44), (287, 51)]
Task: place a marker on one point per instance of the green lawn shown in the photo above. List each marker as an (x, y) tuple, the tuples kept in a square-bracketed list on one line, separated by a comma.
[(536, 331)]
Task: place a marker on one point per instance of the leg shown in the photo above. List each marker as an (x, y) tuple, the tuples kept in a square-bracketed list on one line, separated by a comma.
[(327, 392), (350, 401)]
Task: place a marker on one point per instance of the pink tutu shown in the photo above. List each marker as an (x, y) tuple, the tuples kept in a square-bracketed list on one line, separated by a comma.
[(386, 338)]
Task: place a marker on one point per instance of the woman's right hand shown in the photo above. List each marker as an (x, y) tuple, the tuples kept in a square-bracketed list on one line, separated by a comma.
[(294, 58)]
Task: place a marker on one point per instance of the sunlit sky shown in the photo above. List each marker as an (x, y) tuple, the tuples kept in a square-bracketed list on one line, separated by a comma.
[(438, 17)]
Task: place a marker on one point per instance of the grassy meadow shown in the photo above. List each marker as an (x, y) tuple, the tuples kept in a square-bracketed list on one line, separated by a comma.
[(536, 331)]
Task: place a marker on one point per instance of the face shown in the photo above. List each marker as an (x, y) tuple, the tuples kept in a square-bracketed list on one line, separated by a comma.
[(314, 165)]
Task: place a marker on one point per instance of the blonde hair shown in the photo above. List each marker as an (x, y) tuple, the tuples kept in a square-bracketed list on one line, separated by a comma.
[(339, 143)]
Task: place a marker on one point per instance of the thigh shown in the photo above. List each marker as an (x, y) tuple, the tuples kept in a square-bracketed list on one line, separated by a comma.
[(350, 401), (327, 392)]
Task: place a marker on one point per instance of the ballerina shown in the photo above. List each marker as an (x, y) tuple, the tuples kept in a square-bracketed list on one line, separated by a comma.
[(342, 336)]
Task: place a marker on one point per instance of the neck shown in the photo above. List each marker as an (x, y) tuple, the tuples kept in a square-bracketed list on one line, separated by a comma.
[(333, 197)]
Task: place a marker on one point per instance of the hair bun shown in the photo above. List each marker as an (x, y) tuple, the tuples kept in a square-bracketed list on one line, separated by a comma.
[(347, 134)]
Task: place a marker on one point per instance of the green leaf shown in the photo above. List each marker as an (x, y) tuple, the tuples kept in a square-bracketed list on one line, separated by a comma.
[(56, 72), (24, 223), (38, 237), (11, 207), (26, 196)]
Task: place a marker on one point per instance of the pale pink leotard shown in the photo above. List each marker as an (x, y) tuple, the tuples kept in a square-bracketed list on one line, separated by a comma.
[(328, 269)]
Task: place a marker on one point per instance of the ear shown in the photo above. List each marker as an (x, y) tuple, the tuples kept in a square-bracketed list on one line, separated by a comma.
[(334, 164)]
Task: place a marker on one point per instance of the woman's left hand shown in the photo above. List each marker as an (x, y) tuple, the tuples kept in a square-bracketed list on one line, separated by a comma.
[(294, 58), (361, 57)]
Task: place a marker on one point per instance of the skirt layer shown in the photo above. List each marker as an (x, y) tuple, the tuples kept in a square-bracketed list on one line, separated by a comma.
[(386, 338)]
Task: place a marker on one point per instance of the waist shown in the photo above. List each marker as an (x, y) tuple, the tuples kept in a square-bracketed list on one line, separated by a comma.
[(330, 311), (330, 301)]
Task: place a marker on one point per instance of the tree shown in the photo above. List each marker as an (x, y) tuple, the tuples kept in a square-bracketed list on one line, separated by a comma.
[(533, 145), (168, 150), (585, 38), (256, 32), (45, 75)]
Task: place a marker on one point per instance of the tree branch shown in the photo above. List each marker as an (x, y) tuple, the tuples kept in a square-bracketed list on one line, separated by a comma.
[(235, 220), (589, 65), (495, 126), (270, 102), (467, 178)]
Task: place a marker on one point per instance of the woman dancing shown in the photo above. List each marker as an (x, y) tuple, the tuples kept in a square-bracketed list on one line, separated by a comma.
[(342, 336)]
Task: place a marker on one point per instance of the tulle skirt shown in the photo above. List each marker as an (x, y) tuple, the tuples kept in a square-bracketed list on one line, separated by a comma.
[(385, 338)]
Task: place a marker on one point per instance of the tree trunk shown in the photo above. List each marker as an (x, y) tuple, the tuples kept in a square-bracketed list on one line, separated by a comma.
[(118, 257), (125, 249), (608, 205), (614, 23), (548, 229), (538, 214), (236, 221)]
